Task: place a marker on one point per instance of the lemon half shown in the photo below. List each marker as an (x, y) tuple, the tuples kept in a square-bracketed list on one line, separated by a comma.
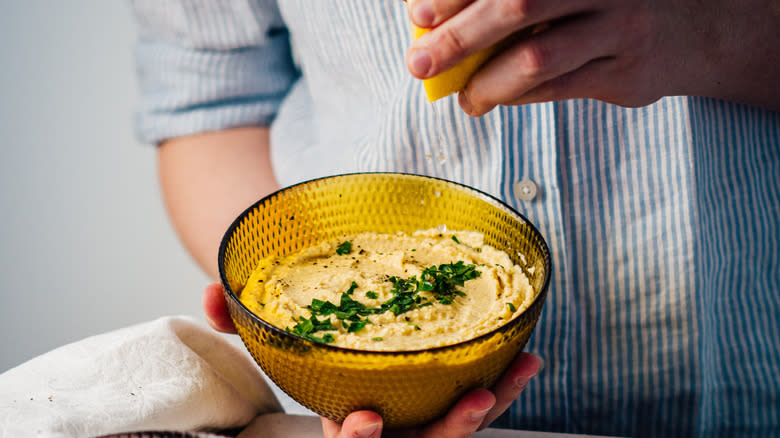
[(453, 80)]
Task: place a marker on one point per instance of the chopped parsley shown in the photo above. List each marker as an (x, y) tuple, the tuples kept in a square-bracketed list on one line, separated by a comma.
[(455, 239), (511, 307), (306, 327), (416, 327), (441, 282), (355, 326), (327, 338), (344, 248)]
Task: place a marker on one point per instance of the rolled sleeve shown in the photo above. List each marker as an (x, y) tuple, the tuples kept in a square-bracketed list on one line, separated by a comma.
[(206, 66)]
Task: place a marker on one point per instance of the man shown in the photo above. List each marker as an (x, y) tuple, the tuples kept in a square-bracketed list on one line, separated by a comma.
[(661, 212)]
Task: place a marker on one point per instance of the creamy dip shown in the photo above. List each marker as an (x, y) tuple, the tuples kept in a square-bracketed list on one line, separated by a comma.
[(375, 291)]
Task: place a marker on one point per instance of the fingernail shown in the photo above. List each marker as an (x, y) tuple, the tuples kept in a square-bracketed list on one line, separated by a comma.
[(522, 381), (479, 415), (367, 430), (420, 62), (541, 365), (422, 15), (465, 103)]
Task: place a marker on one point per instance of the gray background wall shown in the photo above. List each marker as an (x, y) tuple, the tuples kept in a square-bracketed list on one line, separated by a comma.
[(85, 244)]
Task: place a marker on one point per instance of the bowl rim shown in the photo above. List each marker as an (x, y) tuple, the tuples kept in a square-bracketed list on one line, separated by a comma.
[(285, 334)]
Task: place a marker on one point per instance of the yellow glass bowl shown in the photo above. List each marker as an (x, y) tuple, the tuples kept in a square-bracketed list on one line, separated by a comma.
[(407, 388)]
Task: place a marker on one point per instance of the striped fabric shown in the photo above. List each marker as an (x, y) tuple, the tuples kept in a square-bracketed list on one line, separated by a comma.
[(662, 317)]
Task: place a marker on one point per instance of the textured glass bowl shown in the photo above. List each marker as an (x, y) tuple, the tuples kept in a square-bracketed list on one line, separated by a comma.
[(407, 388)]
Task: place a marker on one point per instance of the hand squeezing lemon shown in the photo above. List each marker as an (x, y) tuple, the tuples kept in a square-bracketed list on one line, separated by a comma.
[(455, 79)]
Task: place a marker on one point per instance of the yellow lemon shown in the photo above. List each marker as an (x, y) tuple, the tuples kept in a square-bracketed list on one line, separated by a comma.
[(454, 79)]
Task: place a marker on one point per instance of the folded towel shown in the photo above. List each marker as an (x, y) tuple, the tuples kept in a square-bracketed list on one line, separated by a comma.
[(169, 374)]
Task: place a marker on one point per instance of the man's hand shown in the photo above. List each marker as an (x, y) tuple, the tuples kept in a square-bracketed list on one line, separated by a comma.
[(215, 308), (474, 411), (627, 52)]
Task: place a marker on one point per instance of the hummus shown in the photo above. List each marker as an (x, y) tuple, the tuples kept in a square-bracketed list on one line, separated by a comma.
[(390, 292)]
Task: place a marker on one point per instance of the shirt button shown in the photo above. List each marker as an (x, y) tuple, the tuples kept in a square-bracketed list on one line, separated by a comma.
[(526, 190)]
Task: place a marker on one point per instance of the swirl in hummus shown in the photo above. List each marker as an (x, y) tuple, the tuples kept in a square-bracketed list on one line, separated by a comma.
[(390, 292)]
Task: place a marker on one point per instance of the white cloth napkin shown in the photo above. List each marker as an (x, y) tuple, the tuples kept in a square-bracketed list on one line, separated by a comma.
[(167, 374)]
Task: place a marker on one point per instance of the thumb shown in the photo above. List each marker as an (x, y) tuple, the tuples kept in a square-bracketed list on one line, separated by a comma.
[(215, 308), (359, 424)]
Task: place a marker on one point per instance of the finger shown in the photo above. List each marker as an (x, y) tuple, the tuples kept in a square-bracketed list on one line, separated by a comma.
[(512, 383), (216, 310), (591, 81), (463, 419), (584, 82), (330, 429), (481, 24), (563, 48), (431, 13), (359, 424)]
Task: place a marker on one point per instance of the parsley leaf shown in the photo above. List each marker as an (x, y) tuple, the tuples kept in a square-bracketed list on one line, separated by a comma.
[(344, 248), (306, 327), (355, 326)]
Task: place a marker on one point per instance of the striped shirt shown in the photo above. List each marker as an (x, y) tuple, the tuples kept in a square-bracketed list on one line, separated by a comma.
[(662, 316)]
